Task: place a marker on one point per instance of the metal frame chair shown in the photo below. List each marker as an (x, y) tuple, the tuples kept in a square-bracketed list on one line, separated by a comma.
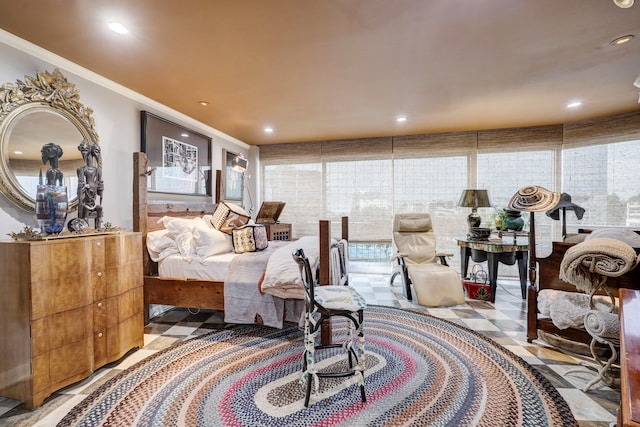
[(323, 303)]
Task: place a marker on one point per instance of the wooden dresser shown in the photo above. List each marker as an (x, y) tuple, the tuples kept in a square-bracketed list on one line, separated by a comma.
[(68, 307)]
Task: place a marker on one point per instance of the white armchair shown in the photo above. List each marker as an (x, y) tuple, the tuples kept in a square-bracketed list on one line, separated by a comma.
[(414, 241)]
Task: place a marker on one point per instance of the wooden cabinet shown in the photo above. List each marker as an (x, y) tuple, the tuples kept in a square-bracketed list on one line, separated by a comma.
[(68, 307), (278, 231)]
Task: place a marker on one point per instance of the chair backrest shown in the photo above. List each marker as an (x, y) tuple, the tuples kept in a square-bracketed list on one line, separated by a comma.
[(306, 274), (413, 236), (339, 262)]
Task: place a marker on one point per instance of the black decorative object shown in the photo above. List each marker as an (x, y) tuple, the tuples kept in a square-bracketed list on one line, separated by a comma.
[(52, 200), (90, 184), (565, 204)]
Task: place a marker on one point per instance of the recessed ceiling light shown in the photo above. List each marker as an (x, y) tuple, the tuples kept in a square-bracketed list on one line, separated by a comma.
[(203, 103), (401, 119), (184, 134), (623, 3), (268, 129), (622, 40), (18, 152), (117, 27), (574, 104)]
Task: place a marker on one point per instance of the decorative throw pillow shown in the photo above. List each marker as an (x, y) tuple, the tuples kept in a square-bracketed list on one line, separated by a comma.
[(250, 238), (210, 241), (229, 216), (160, 244)]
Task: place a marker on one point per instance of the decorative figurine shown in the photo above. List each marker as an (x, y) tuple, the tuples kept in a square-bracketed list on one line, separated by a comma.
[(52, 201), (90, 184), (51, 153)]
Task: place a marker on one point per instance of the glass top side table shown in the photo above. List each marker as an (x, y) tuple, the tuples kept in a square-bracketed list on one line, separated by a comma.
[(507, 250)]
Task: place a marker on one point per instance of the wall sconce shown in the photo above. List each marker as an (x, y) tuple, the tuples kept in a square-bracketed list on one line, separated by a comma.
[(474, 199)]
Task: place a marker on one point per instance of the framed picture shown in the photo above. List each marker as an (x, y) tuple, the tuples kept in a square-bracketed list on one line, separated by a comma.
[(181, 157), (231, 188)]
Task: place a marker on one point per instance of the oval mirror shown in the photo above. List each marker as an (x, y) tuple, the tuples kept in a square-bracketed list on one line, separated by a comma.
[(41, 110)]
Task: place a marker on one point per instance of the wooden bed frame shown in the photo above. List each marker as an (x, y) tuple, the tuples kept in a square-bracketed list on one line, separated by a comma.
[(573, 339), (192, 293)]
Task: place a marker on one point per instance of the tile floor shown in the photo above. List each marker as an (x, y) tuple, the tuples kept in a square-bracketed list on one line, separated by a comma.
[(504, 321)]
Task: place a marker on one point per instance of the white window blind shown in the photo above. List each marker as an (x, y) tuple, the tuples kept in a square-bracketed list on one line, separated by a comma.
[(600, 161), (371, 179), (603, 180)]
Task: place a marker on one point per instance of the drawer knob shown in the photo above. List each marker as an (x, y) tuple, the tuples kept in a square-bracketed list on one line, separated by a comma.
[(99, 273), (100, 335), (98, 243), (99, 304)]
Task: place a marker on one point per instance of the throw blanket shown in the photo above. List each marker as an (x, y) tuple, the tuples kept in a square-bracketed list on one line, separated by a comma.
[(268, 283), (602, 324), (282, 278), (243, 302), (568, 309), (587, 265)]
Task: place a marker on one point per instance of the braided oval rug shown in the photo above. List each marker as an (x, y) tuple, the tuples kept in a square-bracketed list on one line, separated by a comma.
[(420, 371)]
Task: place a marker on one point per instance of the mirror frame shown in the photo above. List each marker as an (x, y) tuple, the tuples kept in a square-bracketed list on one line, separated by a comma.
[(45, 91)]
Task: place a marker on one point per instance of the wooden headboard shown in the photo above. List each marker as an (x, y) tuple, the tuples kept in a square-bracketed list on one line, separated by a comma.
[(146, 216)]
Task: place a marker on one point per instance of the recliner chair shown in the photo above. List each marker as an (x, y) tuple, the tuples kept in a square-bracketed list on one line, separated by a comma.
[(435, 284)]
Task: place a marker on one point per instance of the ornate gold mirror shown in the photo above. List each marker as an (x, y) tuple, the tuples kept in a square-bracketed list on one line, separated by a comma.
[(42, 109)]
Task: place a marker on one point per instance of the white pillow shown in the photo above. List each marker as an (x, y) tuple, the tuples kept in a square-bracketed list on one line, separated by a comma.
[(181, 230), (207, 219), (160, 244), (209, 242)]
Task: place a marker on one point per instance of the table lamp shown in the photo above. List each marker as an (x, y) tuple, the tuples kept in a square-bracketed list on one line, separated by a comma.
[(474, 199), (533, 199)]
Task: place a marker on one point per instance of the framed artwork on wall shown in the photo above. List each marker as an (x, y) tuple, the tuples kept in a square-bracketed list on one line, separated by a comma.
[(181, 157), (232, 185)]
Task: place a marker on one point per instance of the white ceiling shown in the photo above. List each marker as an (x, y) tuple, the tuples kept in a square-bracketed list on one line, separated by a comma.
[(333, 69)]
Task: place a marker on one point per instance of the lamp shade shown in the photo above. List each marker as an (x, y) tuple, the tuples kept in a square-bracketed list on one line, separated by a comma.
[(474, 199), (534, 199)]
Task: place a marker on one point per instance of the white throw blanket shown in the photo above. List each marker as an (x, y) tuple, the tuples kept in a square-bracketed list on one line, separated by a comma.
[(281, 293), (587, 265), (568, 309), (282, 278), (243, 301)]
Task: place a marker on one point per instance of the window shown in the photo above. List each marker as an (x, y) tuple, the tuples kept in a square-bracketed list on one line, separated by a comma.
[(372, 179), (603, 179)]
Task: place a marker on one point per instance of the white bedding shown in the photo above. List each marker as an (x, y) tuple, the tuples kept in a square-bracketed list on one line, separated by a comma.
[(186, 250), (215, 268)]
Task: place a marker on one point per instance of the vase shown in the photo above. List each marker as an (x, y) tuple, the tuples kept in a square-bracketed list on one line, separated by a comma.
[(512, 221), (52, 204)]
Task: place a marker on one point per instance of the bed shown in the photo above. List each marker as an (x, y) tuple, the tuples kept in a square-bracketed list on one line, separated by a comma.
[(194, 292), (574, 338)]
